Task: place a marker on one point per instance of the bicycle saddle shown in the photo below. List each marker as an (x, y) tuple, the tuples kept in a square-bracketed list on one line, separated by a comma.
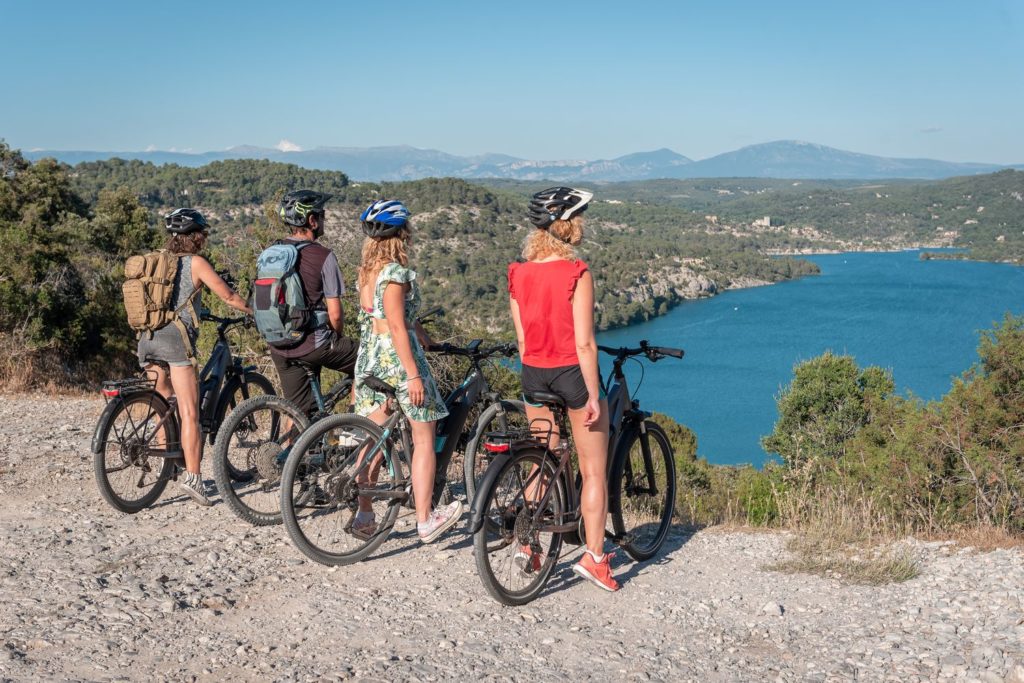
[(544, 398), (299, 363), (379, 385)]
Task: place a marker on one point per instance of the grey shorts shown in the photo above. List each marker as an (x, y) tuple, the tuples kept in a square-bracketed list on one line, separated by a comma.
[(166, 346)]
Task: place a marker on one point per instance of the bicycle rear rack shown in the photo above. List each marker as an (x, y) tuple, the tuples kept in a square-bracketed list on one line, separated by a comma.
[(112, 388), (501, 441)]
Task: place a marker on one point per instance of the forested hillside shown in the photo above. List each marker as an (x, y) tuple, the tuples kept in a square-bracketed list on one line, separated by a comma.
[(465, 234), (983, 214), (67, 230)]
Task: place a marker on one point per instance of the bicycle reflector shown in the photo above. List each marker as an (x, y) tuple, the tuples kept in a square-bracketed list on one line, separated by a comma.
[(498, 443), (110, 392)]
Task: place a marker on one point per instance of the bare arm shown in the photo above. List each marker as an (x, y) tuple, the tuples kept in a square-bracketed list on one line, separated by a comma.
[(203, 273), (335, 318), (583, 326), (518, 322), (394, 313)]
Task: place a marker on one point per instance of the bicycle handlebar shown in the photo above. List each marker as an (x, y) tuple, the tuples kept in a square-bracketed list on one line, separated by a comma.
[(507, 349), (653, 353), (429, 315), (224, 322)]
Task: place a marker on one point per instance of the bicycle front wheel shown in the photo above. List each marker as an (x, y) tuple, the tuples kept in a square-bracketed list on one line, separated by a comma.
[(505, 416), (249, 454), (236, 390), (338, 466), (515, 549), (130, 478), (643, 491)]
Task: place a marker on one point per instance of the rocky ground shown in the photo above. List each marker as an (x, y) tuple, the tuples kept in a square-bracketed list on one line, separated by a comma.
[(180, 592)]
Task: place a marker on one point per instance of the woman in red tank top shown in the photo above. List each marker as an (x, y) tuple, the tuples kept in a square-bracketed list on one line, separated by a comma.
[(552, 300)]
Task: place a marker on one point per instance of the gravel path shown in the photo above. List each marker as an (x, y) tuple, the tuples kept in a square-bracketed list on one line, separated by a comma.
[(184, 593)]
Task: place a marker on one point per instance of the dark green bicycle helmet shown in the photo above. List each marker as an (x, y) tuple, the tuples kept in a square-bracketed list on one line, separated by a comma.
[(296, 207)]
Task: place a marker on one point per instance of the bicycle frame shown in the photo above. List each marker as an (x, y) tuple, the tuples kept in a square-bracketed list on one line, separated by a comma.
[(218, 369)]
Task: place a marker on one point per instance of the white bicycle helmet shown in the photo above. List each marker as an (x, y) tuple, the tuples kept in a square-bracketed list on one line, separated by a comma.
[(557, 203)]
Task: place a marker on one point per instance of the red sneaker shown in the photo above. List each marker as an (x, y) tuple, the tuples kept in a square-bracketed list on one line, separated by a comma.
[(527, 560), (598, 573)]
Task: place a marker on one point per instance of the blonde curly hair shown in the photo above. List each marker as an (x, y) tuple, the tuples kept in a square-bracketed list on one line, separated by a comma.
[(557, 240), (378, 252)]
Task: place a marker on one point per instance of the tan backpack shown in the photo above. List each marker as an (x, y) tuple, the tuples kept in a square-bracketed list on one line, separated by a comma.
[(147, 290)]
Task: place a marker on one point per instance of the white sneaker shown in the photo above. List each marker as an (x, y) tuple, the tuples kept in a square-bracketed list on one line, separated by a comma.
[(441, 520), (192, 484)]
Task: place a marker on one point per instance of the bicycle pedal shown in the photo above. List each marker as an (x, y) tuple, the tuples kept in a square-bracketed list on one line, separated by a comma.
[(623, 540)]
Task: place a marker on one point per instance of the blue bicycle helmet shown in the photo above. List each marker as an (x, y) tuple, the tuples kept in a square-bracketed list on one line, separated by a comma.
[(384, 218)]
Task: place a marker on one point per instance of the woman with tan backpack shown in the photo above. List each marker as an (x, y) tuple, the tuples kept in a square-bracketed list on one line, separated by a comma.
[(167, 335)]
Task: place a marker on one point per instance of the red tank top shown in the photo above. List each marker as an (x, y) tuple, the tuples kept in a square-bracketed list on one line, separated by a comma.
[(544, 294)]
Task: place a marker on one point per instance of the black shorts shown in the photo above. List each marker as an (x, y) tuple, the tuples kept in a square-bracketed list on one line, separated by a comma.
[(337, 354), (565, 382)]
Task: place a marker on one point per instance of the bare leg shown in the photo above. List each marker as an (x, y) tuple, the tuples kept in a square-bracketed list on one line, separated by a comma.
[(370, 474), (592, 448), (545, 419), (186, 388), (164, 388), (424, 466)]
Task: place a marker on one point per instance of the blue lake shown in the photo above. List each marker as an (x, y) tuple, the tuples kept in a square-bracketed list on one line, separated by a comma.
[(920, 319)]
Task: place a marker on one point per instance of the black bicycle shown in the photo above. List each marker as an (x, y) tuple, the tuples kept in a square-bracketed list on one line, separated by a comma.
[(528, 501), (253, 445), (136, 447), (347, 459)]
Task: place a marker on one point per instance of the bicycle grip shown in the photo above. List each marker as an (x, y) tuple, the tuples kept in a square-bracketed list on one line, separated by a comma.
[(675, 353)]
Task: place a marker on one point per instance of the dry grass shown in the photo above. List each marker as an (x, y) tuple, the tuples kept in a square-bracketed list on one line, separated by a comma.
[(839, 554), (981, 539), (842, 536)]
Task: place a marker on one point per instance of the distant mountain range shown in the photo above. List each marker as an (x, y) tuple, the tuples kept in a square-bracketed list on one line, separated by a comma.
[(782, 159)]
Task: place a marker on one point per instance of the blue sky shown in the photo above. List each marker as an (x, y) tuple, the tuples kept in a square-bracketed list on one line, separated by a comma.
[(537, 80)]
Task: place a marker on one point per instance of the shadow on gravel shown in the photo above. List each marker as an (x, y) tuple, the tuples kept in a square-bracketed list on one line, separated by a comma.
[(563, 577)]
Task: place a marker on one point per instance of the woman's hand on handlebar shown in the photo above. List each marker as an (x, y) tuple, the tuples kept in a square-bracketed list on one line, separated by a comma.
[(423, 336)]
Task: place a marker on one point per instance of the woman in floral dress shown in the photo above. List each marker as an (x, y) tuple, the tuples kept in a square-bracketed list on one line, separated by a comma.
[(390, 350)]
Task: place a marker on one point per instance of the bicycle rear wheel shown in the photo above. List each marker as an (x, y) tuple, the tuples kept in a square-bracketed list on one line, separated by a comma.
[(506, 416), (249, 454), (337, 463), (514, 554), (129, 477), (643, 496)]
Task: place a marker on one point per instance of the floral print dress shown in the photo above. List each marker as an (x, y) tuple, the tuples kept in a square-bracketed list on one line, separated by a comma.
[(378, 358)]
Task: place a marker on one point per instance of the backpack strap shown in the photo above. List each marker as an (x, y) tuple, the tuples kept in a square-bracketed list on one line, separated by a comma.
[(320, 317)]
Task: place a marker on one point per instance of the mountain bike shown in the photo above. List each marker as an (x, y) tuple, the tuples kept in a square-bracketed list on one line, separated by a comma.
[(253, 444), (136, 447), (529, 499), (345, 458)]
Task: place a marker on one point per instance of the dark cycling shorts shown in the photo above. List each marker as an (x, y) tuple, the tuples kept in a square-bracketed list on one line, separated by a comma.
[(566, 382)]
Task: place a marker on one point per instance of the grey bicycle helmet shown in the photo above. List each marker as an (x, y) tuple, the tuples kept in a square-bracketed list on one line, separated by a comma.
[(557, 203), (185, 221)]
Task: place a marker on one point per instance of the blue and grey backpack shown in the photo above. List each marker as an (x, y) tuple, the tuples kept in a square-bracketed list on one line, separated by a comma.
[(283, 316)]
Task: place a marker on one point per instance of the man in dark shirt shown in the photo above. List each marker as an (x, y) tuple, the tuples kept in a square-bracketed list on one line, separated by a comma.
[(325, 346)]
